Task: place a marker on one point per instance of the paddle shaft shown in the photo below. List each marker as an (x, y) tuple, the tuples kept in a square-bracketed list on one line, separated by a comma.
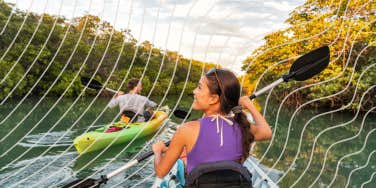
[(104, 178), (133, 162), (126, 166), (111, 90), (265, 89)]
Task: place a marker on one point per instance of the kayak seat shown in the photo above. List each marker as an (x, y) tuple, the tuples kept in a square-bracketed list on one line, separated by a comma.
[(130, 116), (219, 174)]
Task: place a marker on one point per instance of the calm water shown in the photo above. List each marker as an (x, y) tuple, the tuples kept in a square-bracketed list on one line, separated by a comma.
[(36, 145)]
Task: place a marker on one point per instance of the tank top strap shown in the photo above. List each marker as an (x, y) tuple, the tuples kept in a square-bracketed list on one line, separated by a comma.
[(219, 125)]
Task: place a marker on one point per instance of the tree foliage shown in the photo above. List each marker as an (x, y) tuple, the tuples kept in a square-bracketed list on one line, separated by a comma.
[(348, 27), (52, 53)]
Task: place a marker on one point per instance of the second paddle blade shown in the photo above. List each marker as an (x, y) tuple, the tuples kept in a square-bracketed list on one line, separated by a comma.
[(181, 114)]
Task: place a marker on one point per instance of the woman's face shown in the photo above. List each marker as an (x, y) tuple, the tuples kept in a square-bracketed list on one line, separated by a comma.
[(203, 99)]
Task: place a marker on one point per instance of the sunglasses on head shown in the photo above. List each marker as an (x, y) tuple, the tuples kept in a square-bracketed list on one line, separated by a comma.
[(214, 70)]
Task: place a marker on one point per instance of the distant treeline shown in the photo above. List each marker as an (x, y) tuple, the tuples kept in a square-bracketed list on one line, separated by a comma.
[(44, 54)]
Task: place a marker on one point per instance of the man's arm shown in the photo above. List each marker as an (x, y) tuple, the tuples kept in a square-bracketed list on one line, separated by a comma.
[(115, 100), (150, 103)]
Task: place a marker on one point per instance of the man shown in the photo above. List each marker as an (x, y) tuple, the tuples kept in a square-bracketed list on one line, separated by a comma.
[(133, 104)]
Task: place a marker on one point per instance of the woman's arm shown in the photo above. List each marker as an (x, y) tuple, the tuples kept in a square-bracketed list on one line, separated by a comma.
[(165, 157), (261, 129)]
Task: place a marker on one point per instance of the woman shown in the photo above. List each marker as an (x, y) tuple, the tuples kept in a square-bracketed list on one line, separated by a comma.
[(223, 134)]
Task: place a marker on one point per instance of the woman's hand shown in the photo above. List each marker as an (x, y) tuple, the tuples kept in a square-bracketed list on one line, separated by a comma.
[(261, 129), (160, 158), (245, 102), (159, 147)]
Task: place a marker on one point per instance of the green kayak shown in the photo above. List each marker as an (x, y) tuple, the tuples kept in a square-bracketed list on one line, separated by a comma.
[(98, 139)]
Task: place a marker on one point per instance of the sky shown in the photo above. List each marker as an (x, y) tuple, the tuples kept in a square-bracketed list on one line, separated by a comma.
[(223, 32)]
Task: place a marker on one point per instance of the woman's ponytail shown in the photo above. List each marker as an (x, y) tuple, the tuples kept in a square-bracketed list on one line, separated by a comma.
[(247, 137), (226, 85)]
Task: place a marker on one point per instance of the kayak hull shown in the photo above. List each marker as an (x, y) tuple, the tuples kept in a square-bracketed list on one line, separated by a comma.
[(98, 139)]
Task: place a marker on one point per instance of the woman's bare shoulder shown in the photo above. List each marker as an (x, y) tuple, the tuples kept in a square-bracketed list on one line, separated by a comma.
[(188, 127), (190, 124)]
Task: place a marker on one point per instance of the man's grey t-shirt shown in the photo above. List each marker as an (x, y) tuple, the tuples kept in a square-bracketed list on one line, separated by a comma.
[(132, 102)]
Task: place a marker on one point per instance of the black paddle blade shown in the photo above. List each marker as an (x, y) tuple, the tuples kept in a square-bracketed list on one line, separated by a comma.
[(83, 183), (92, 84), (310, 64), (181, 114)]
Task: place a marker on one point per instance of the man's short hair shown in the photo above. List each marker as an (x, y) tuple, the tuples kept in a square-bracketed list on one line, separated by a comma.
[(132, 83)]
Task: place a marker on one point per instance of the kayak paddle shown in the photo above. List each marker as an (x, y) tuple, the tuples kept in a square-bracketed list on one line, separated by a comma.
[(94, 84), (303, 68), (182, 114), (90, 182)]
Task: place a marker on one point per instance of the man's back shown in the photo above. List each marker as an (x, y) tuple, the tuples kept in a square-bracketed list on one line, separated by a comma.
[(131, 102)]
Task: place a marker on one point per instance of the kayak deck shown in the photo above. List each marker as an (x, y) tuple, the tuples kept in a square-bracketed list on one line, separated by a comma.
[(259, 178)]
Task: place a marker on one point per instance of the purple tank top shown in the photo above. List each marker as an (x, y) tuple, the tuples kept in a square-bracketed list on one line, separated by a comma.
[(208, 144)]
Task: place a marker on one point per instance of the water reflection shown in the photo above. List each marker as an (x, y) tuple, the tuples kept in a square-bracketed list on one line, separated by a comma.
[(41, 141)]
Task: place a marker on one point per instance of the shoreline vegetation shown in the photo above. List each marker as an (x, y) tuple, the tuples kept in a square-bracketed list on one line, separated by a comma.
[(50, 54), (348, 28), (56, 53)]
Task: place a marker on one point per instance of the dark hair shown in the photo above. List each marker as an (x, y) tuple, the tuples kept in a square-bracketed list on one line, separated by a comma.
[(227, 86), (132, 83)]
